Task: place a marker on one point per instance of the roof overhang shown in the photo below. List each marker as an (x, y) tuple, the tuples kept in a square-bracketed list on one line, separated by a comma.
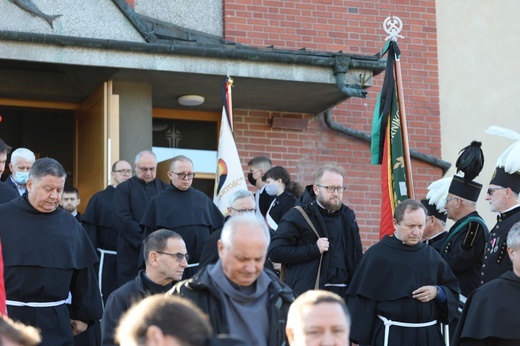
[(68, 69)]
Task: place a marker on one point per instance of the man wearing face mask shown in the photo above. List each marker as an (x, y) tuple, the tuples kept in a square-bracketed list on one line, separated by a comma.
[(319, 244), (258, 166), (22, 160)]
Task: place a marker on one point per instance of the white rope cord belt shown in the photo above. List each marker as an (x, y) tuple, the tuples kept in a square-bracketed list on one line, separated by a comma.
[(100, 270), (36, 304), (388, 323)]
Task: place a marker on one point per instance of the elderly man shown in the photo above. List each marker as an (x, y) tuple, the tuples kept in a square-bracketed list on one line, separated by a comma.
[(183, 209), (490, 317), (318, 318), (463, 248), (238, 295), (99, 223), (47, 255), (402, 289), (6, 193), (21, 161), (130, 201), (239, 202), (319, 241), (166, 258), (503, 197)]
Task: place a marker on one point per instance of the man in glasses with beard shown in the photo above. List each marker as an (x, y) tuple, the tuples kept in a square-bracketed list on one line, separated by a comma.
[(318, 241)]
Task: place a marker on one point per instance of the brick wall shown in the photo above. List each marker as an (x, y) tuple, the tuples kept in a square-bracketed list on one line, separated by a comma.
[(353, 27)]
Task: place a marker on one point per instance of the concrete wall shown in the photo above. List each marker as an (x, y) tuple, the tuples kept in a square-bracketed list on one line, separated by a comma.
[(204, 16), (135, 118), (478, 53)]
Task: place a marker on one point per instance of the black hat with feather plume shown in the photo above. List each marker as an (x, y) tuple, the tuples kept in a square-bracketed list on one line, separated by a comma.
[(470, 162)]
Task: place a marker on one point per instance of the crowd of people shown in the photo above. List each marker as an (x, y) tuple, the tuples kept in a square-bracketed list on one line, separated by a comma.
[(151, 263)]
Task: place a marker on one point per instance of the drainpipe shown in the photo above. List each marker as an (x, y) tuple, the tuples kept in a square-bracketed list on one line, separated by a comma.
[(430, 159)]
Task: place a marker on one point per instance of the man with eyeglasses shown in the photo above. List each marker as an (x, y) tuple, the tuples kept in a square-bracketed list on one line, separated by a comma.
[(503, 197), (185, 210), (130, 201), (166, 257), (99, 223), (240, 202), (323, 255)]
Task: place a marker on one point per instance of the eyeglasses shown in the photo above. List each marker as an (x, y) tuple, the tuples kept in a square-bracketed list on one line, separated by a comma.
[(492, 190), (331, 189), (144, 169), (255, 171), (185, 175), (447, 199), (244, 210), (178, 256), (124, 171)]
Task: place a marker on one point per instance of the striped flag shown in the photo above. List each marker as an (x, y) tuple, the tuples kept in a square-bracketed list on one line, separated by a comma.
[(230, 176), (387, 144)]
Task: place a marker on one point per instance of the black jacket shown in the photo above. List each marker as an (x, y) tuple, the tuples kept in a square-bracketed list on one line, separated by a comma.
[(210, 299), (294, 244)]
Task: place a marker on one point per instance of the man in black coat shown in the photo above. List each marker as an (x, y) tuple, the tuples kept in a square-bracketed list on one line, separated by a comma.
[(490, 316), (6, 193), (326, 260), (239, 296), (183, 209), (166, 258), (503, 197), (99, 223), (48, 257), (402, 289), (130, 201)]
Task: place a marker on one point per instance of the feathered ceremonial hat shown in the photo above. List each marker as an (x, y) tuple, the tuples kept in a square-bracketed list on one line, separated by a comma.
[(470, 162), (507, 171), (436, 198)]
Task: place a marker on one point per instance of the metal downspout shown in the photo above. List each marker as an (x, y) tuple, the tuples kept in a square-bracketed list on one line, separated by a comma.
[(430, 159)]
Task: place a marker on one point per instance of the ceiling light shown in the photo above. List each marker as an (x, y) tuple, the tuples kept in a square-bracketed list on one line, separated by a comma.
[(191, 100)]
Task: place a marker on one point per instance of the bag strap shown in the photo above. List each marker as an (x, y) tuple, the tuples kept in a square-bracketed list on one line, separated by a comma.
[(306, 217)]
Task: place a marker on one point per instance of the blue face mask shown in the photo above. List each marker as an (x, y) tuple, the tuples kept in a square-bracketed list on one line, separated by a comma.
[(271, 189), (21, 177)]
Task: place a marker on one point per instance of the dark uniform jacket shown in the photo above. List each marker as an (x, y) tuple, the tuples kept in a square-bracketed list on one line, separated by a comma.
[(210, 300), (491, 315), (496, 260), (294, 244), (383, 284), (281, 205), (463, 249), (122, 299)]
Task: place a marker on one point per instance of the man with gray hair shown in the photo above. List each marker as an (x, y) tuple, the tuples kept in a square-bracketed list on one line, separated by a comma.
[(318, 240), (21, 161), (47, 255), (240, 202), (239, 296), (490, 316), (130, 201), (318, 317)]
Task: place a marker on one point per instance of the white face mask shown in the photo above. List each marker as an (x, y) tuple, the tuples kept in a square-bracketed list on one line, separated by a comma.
[(271, 189), (21, 177)]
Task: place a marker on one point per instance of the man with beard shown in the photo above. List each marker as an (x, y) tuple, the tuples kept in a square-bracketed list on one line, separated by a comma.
[(318, 241), (70, 201)]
